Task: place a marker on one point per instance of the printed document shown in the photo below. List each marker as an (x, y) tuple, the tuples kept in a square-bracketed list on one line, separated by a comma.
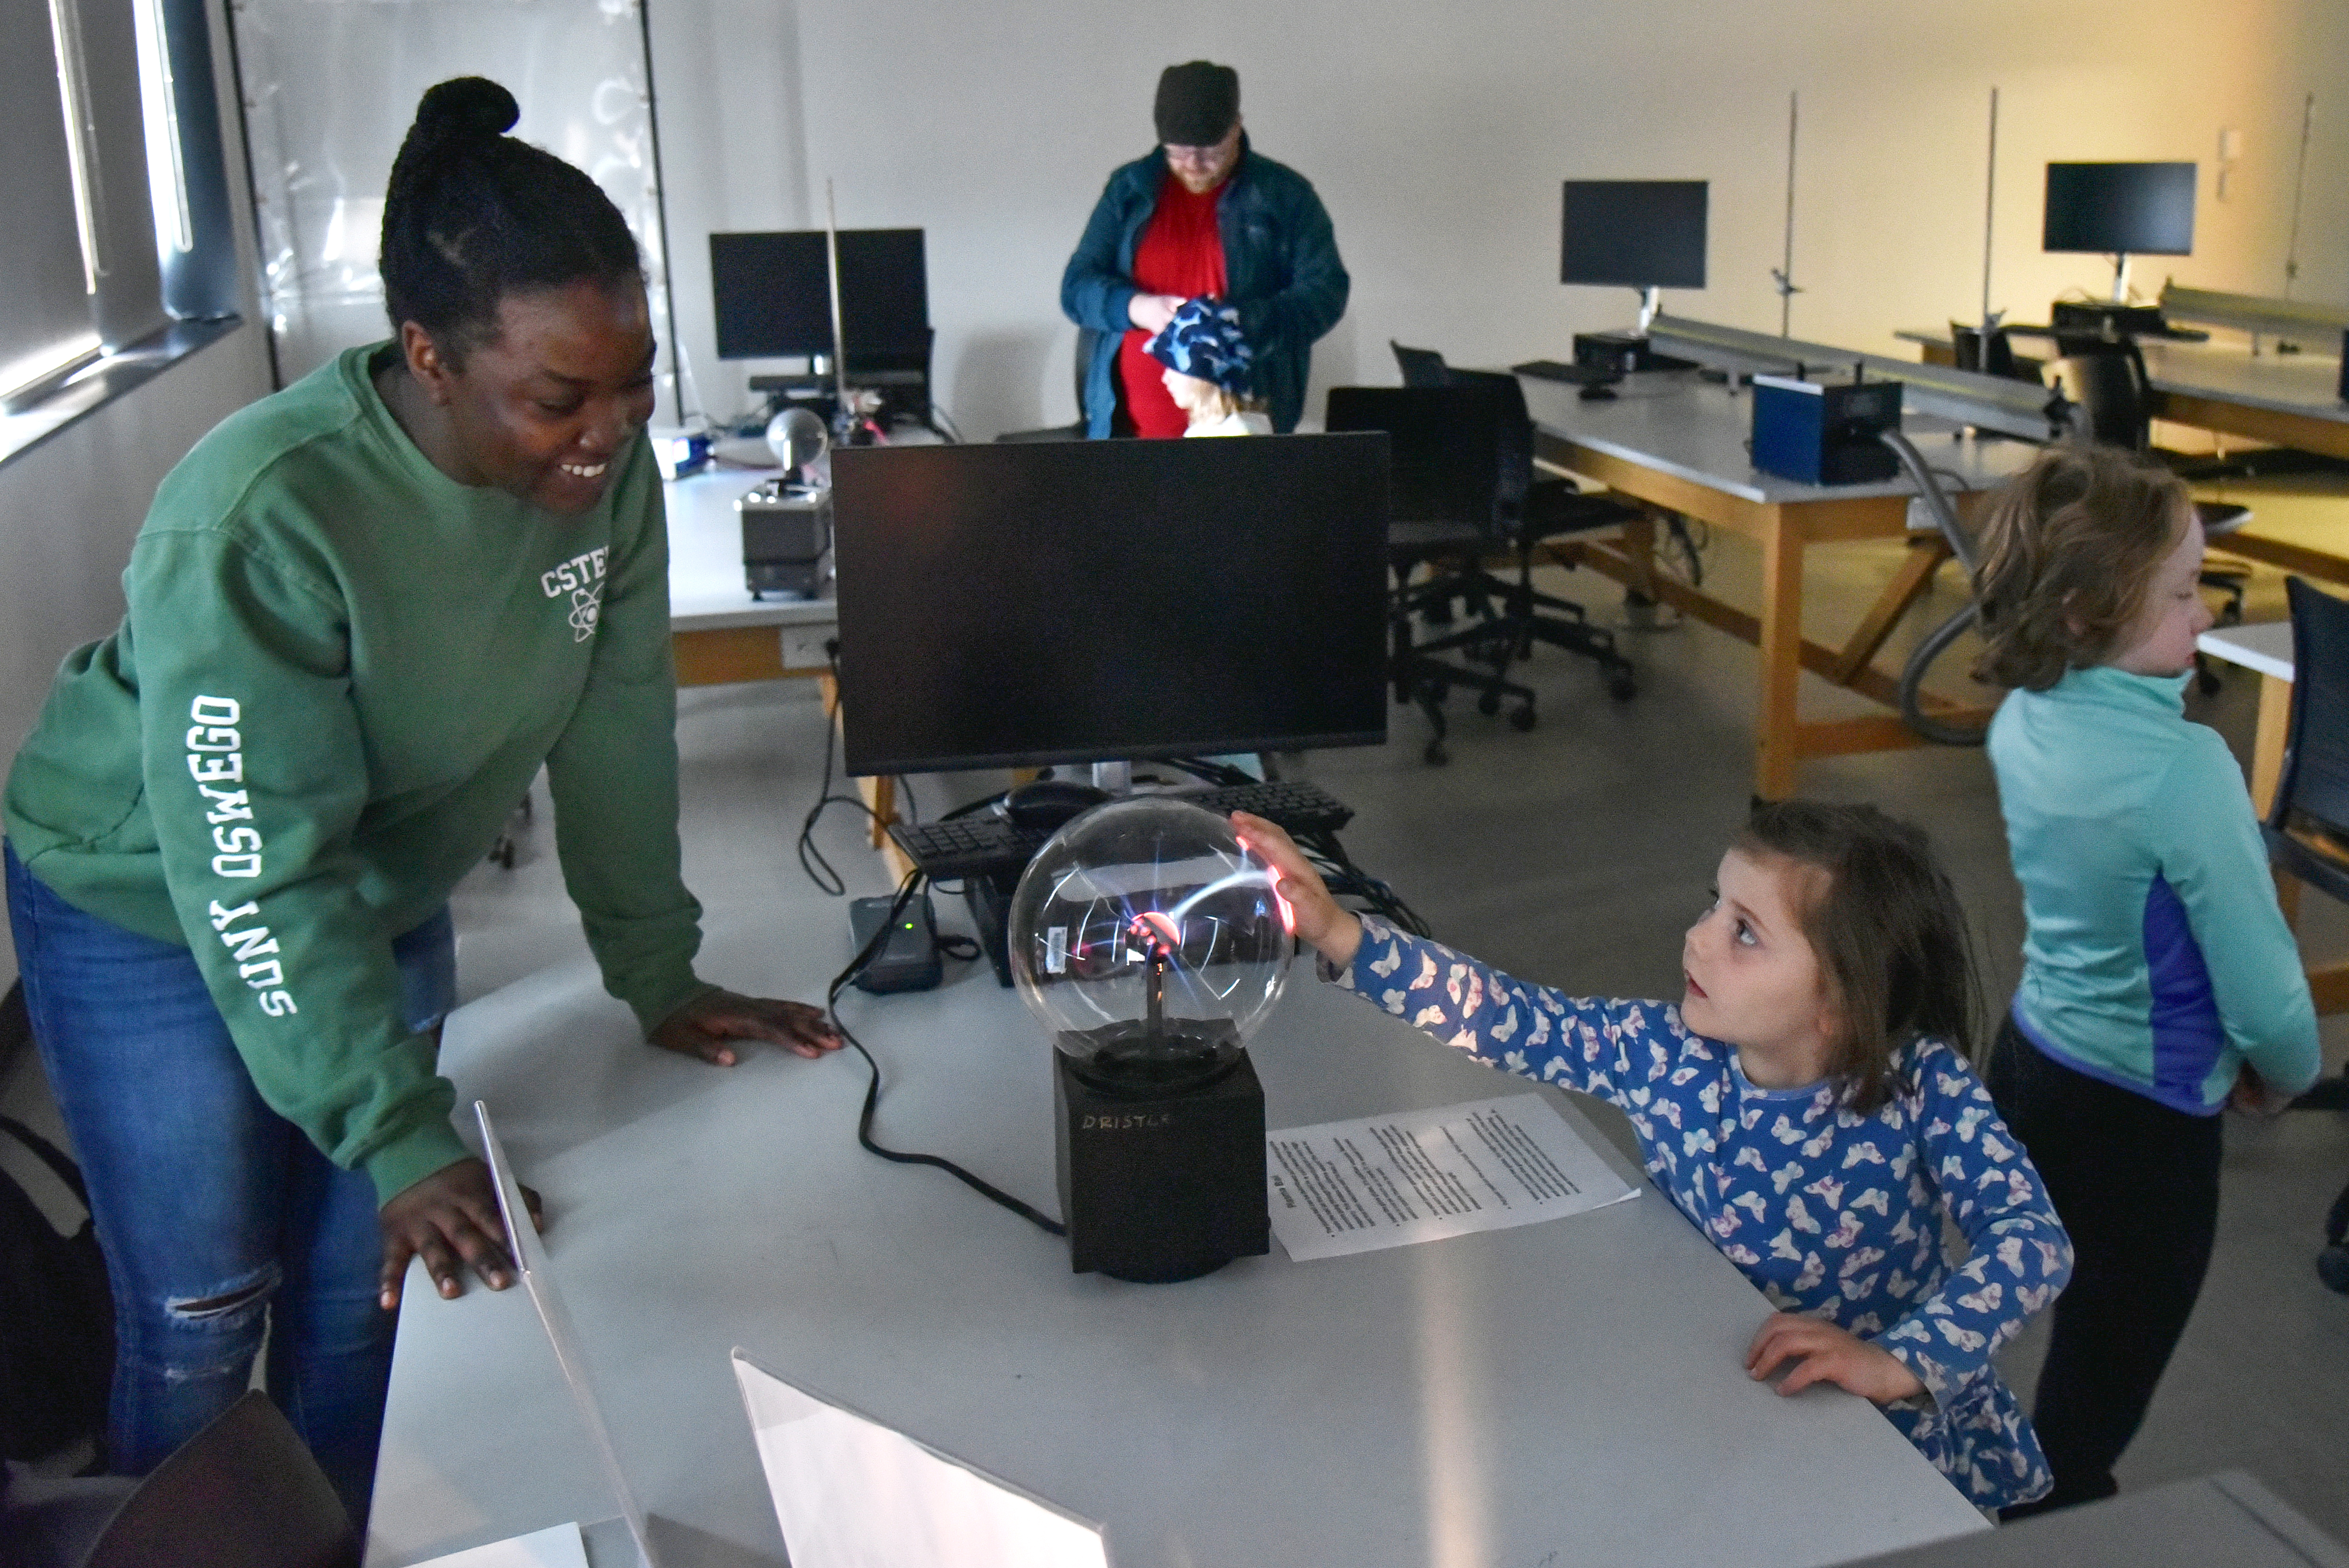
[(1420, 1175)]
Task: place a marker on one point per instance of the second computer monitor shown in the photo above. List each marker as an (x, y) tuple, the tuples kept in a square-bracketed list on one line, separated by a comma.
[(2120, 208), (772, 293), (1025, 603), (1634, 234)]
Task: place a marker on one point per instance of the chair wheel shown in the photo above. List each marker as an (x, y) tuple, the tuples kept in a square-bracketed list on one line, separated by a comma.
[(2333, 1268), (1434, 754), (1523, 719), (1621, 687), (1489, 704)]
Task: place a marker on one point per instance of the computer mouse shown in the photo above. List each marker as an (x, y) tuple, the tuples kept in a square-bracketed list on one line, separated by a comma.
[(1043, 804)]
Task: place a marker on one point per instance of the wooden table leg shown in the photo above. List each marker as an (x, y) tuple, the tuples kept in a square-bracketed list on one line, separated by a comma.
[(1638, 547), (2267, 741), (1781, 647), (879, 795)]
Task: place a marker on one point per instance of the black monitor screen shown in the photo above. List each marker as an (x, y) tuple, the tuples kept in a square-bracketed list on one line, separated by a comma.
[(2112, 209), (1637, 233), (1026, 604), (773, 298)]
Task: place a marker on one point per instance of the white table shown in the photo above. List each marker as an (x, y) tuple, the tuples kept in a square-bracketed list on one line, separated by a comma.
[(1679, 443), (2227, 1519), (2293, 400), (1566, 1393), (721, 634)]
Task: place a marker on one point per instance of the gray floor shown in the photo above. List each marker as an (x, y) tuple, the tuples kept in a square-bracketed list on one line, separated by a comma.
[(1576, 855)]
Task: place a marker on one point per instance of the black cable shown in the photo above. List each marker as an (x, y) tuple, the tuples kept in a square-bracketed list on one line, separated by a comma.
[(819, 869), (906, 890)]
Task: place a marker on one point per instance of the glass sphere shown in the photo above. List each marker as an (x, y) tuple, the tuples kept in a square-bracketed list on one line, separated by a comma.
[(1151, 942)]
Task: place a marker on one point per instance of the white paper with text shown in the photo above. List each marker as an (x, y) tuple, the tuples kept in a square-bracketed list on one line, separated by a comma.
[(1346, 1187)]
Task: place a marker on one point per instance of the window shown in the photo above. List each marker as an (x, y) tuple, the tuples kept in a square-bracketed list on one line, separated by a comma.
[(113, 184)]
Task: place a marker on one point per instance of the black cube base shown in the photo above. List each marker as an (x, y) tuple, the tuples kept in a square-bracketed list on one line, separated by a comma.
[(1159, 1188)]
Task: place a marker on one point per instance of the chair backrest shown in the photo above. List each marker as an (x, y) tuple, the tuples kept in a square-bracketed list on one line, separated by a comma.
[(1991, 356), (2314, 781), (1443, 446), (1420, 367), (1514, 441), (242, 1494), (2107, 388), (1088, 345)]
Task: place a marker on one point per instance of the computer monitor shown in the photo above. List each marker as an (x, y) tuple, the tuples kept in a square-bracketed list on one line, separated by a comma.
[(772, 293), (2120, 208), (1443, 446), (1644, 234), (1021, 605)]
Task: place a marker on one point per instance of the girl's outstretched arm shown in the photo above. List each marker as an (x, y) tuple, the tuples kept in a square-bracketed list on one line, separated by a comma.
[(1611, 1050)]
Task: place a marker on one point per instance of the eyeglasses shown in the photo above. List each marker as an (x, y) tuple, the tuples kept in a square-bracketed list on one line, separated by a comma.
[(1197, 157)]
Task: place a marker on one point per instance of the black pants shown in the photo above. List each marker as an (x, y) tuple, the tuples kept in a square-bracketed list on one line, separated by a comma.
[(2137, 1185)]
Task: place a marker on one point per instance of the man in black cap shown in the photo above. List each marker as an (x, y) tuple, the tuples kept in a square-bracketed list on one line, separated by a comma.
[(1202, 215)]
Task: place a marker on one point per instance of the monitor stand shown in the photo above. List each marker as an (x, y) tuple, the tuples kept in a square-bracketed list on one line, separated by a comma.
[(1113, 778), (1652, 300), (2120, 277)]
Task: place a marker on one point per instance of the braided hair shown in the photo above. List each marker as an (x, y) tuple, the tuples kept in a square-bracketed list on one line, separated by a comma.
[(473, 214)]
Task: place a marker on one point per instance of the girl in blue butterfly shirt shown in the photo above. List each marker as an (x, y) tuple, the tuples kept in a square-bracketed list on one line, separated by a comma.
[(1807, 1104)]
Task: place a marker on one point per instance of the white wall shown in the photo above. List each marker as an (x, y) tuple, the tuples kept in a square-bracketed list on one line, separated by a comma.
[(1438, 135)]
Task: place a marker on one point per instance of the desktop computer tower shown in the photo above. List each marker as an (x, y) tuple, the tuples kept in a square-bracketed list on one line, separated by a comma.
[(2107, 320), (1621, 353), (1824, 432)]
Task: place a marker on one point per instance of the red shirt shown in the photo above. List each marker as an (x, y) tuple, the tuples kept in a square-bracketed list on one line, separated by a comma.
[(1180, 252)]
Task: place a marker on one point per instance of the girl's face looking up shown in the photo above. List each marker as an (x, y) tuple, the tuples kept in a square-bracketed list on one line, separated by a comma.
[(1753, 980), (2160, 640)]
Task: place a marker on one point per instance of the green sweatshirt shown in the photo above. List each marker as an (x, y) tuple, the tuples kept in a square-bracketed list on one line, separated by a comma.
[(340, 672)]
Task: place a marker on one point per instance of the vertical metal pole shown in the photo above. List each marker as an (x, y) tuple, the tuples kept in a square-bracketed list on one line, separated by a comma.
[(831, 272), (660, 219), (1990, 217), (252, 197), (2299, 186), (1787, 269)]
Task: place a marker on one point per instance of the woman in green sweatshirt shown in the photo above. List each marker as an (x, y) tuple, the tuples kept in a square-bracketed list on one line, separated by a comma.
[(363, 613)]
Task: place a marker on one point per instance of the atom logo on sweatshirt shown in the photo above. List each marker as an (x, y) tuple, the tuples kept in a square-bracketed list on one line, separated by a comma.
[(581, 577)]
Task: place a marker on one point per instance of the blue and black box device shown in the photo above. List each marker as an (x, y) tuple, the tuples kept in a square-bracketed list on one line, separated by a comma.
[(1824, 432)]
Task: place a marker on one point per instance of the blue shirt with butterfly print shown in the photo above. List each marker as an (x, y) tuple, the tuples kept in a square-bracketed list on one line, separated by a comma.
[(1829, 1212)]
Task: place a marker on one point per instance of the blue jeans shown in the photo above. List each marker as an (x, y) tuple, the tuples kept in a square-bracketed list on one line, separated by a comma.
[(221, 1222)]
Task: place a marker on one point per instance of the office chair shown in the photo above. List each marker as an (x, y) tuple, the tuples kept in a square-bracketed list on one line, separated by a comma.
[(242, 1494), (1539, 511), (1989, 356), (2112, 403), (2307, 826), (1443, 460), (1554, 503)]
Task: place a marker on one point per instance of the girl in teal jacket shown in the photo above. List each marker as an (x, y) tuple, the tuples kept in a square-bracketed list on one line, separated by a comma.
[(2159, 980)]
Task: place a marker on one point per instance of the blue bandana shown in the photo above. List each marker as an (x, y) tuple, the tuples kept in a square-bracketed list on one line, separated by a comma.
[(1204, 340)]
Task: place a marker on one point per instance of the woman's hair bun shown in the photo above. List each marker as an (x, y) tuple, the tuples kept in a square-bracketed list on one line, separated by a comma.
[(464, 107)]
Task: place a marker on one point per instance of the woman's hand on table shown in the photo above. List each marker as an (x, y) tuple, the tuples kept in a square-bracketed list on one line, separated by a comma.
[(704, 1027), (1333, 932), (1822, 1353), (450, 1219)]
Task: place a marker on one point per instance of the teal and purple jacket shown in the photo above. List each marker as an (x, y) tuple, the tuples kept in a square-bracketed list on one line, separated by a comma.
[(2155, 956)]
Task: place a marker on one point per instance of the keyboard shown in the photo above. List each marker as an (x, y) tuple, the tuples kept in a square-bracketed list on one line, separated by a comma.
[(1573, 375), (984, 841)]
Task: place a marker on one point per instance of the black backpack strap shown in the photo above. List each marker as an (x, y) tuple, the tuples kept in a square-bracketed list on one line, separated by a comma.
[(49, 1155)]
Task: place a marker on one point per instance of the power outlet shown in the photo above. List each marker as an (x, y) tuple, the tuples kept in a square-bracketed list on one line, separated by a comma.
[(802, 646)]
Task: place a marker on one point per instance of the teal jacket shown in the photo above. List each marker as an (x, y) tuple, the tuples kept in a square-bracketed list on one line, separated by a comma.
[(2155, 956), (1281, 269)]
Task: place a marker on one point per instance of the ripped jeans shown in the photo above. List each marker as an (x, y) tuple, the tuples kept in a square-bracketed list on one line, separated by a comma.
[(221, 1222)]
